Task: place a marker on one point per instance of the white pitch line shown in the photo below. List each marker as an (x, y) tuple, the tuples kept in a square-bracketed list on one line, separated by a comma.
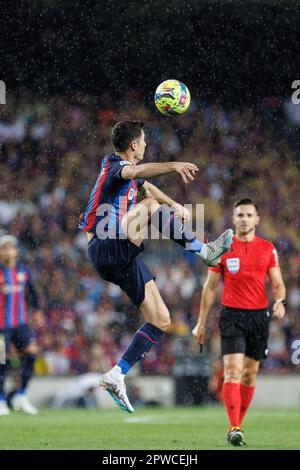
[(172, 419), (142, 419)]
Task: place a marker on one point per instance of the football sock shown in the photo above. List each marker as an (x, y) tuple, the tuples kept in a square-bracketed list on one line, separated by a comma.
[(165, 220), (232, 402), (3, 373), (247, 394), (27, 366), (143, 340)]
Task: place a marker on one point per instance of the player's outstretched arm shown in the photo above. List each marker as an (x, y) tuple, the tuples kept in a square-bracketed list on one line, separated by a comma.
[(207, 299), (151, 170), (152, 191)]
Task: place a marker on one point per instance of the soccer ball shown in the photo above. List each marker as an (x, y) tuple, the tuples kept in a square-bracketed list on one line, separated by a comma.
[(172, 97)]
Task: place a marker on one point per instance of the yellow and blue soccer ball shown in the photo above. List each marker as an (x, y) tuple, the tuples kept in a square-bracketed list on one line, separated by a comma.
[(172, 97)]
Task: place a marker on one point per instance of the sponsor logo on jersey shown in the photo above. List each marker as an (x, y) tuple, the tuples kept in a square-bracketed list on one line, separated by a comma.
[(8, 289)]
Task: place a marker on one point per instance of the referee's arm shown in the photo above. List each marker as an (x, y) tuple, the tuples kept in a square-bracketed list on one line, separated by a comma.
[(278, 291), (208, 296)]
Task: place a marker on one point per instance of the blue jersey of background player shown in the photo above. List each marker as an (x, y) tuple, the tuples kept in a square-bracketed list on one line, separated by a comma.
[(112, 211), (16, 289)]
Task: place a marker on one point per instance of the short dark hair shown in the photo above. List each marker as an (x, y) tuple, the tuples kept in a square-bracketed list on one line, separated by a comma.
[(245, 202), (124, 132)]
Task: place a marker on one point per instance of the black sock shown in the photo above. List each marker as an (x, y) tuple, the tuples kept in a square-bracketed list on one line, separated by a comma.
[(165, 220), (3, 374), (141, 343), (27, 367)]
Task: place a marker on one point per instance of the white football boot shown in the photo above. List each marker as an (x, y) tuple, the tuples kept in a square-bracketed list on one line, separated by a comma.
[(217, 248), (4, 410), (20, 402), (117, 390)]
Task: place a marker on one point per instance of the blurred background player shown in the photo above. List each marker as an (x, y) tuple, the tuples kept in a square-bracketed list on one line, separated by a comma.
[(116, 259), (15, 286), (245, 316)]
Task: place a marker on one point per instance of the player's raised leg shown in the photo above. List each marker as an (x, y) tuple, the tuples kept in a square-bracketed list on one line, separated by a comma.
[(135, 225), (157, 319), (173, 227)]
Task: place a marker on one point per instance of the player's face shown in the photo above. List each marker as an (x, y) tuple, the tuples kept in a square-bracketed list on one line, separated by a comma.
[(245, 219), (9, 254), (140, 146)]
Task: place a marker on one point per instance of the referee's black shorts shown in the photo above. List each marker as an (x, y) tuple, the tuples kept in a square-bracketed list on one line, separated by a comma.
[(245, 331)]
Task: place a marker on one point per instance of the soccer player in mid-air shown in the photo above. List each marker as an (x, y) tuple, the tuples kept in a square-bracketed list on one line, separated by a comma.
[(15, 287), (245, 315), (113, 246)]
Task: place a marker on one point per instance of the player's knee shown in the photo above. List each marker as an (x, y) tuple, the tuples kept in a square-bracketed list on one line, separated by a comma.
[(249, 377), (232, 374), (151, 204)]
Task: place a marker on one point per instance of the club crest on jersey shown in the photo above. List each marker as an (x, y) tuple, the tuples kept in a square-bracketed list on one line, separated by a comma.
[(21, 277), (233, 265)]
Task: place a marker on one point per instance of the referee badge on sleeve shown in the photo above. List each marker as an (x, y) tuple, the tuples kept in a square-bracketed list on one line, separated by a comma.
[(233, 265)]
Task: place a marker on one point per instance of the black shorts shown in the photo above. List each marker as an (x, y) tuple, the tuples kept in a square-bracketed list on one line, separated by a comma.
[(117, 261), (245, 331), (21, 337)]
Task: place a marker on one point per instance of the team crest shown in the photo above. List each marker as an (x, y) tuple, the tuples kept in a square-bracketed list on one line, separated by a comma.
[(233, 265), (21, 277)]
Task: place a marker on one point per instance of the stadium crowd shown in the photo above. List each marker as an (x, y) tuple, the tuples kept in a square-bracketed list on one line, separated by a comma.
[(50, 153)]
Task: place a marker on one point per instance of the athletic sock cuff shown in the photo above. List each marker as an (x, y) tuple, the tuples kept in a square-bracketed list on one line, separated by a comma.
[(152, 332), (124, 366), (247, 387)]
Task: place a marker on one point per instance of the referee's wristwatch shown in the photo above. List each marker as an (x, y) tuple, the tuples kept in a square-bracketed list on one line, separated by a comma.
[(283, 301)]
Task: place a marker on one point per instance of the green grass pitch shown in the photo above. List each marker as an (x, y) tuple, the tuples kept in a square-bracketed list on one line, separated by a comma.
[(148, 429)]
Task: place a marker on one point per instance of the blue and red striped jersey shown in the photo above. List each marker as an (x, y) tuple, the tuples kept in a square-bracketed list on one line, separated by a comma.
[(111, 196), (15, 285)]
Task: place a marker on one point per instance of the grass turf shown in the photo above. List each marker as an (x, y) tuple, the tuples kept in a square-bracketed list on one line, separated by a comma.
[(148, 429)]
